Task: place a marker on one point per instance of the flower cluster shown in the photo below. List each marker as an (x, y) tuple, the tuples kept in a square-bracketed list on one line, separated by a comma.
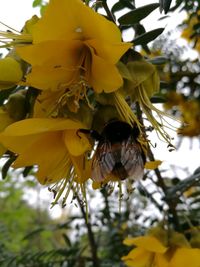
[(68, 76), (161, 248), (190, 113)]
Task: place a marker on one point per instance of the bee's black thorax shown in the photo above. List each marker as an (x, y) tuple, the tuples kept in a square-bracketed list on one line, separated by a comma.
[(116, 131)]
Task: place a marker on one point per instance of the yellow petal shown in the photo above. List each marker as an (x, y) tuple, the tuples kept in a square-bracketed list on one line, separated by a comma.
[(138, 258), (185, 257), (10, 72), (104, 76), (50, 78), (72, 19), (152, 165), (149, 243), (77, 144), (111, 52), (51, 53), (39, 125), (48, 152), (161, 260)]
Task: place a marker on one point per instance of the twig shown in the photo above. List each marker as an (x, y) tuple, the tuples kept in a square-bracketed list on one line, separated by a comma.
[(176, 191), (108, 12), (91, 238)]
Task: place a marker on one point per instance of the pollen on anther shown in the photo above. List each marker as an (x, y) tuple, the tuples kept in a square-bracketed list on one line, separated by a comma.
[(78, 30)]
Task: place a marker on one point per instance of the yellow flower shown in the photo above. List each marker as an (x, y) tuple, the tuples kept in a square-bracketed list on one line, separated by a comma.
[(189, 32), (191, 118), (73, 44), (181, 253), (141, 84), (184, 257), (149, 252), (10, 72), (51, 144)]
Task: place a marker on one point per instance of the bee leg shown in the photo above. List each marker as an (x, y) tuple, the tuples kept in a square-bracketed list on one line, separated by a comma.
[(85, 131), (94, 134)]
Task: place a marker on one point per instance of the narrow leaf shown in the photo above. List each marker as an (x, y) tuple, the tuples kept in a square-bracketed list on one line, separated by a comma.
[(7, 165), (160, 60), (137, 14), (117, 7), (147, 37), (165, 5)]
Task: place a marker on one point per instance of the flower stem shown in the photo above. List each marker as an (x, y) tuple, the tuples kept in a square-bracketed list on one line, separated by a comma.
[(91, 238)]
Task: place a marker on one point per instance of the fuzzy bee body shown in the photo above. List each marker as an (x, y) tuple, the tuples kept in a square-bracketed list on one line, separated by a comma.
[(118, 152)]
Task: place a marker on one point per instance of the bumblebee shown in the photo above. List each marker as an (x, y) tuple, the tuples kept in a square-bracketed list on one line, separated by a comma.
[(118, 153)]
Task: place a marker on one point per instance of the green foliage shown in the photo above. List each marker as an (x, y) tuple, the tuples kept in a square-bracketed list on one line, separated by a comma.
[(137, 14), (147, 37)]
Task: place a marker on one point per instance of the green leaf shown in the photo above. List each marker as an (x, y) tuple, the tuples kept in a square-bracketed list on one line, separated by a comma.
[(7, 165), (165, 5), (120, 5), (137, 14), (147, 37), (37, 3), (127, 3), (117, 7), (160, 60)]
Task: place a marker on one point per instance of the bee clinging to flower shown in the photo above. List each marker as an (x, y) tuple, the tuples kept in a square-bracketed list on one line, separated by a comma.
[(118, 152)]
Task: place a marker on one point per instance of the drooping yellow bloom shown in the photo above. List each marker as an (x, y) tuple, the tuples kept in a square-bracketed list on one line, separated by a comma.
[(141, 83), (73, 44), (149, 252), (51, 144)]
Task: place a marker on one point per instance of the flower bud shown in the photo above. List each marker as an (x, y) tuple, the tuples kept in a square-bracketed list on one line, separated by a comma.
[(16, 107)]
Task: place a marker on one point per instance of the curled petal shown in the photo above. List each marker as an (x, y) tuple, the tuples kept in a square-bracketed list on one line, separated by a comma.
[(148, 243)]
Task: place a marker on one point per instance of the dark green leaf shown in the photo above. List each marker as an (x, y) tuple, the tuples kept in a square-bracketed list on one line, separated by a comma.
[(127, 3), (7, 165), (121, 5), (158, 60), (165, 5), (164, 85), (26, 171), (147, 37), (137, 14), (117, 7), (158, 99)]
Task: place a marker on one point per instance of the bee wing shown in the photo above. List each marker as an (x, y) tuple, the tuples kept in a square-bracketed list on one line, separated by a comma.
[(132, 159), (103, 162)]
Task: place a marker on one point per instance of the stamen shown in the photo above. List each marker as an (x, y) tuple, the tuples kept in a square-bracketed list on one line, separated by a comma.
[(125, 111)]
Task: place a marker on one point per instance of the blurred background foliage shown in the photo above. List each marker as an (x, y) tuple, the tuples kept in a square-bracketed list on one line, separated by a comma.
[(30, 237)]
